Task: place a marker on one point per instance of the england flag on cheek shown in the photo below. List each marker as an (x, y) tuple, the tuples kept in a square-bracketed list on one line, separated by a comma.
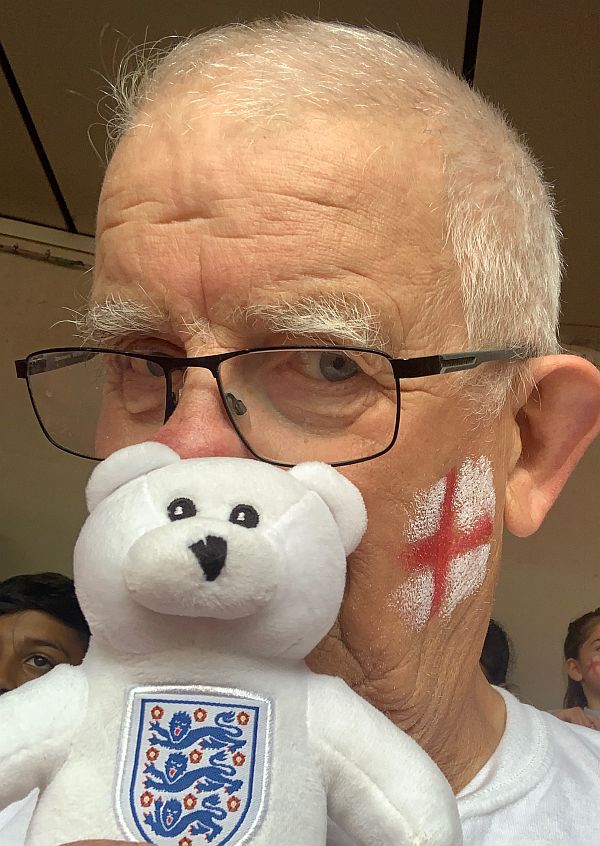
[(192, 765), (449, 543)]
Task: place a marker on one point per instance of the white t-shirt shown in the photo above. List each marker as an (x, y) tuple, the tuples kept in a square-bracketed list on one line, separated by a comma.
[(541, 787)]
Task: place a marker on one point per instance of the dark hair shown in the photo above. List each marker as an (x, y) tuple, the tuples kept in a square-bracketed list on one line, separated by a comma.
[(578, 632), (51, 593), (495, 655)]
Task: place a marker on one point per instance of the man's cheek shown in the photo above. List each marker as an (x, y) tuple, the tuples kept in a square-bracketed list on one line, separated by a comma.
[(448, 543)]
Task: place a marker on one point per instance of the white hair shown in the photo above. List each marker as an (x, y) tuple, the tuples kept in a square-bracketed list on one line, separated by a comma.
[(336, 318), (499, 215)]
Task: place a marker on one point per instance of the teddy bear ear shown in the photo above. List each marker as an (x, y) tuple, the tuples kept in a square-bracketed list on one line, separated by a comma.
[(343, 499), (123, 466)]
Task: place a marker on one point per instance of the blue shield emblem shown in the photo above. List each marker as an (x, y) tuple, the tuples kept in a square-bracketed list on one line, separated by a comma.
[(193, 765)]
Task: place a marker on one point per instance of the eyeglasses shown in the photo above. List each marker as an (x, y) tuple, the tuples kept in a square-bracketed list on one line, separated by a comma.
[(340, 405)]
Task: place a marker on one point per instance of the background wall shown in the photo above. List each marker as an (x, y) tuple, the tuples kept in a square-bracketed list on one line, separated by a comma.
[(41, 496), (538, 61)]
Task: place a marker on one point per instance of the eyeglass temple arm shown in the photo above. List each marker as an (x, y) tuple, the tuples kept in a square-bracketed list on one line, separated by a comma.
[(50, 361), (431, 365)]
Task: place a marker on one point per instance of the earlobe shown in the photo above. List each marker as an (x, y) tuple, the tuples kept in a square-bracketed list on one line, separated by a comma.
[(557, 422)]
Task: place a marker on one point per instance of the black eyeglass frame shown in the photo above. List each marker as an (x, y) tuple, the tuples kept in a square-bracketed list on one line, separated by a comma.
[(402, 368)]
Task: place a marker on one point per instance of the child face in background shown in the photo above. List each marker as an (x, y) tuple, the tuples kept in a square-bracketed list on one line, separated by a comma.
[(586, 668), (31, 644)]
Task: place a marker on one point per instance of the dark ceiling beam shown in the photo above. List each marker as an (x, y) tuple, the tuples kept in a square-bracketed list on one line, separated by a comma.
[(472, 40), (35, 139)]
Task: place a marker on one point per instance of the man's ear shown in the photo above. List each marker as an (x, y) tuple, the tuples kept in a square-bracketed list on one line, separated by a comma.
[(573, 670), (557, 423)]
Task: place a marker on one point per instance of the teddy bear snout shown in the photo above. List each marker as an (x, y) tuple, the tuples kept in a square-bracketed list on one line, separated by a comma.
[(211, 554)]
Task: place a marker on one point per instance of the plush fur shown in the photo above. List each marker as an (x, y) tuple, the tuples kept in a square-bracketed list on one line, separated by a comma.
[(215, 577)]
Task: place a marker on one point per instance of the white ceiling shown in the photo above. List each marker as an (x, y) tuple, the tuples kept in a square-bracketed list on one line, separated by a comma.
[(539, 61)]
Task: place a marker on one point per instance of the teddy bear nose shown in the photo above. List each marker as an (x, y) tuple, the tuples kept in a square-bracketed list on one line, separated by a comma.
[(211, 554)]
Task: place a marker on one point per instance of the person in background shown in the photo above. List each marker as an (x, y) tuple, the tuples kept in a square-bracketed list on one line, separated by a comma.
[(581, 705), (41, 626), (495, 655)]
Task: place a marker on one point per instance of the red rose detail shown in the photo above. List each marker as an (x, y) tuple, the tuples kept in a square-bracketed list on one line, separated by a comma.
[(189, 802), (146, 799), (233, 803)]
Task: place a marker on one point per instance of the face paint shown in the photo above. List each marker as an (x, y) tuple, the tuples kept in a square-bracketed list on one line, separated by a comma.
[(592, 672), (594, 666), (449, 542)]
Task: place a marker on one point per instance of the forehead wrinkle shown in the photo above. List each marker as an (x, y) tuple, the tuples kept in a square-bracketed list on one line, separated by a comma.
[(336, 318)]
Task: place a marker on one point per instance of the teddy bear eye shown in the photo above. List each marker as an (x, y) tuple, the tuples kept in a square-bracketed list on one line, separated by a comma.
[(181, 508), (244, 515)]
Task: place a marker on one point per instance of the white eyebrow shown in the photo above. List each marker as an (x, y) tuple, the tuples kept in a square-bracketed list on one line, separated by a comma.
[(105, 322), (332, 318)]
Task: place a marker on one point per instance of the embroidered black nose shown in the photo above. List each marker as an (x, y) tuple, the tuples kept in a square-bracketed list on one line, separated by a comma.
[(211, 554)]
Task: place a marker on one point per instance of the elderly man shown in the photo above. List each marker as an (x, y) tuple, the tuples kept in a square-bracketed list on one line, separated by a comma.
[(313, 186)]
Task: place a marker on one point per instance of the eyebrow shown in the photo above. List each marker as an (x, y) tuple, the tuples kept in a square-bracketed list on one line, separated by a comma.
[(31, 642), (105, 322), (337, 318)]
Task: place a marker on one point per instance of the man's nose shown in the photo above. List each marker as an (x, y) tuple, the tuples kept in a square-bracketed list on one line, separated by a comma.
[(199, 427)]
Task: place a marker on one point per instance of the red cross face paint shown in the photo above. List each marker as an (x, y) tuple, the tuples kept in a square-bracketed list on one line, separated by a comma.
[(448, 543)]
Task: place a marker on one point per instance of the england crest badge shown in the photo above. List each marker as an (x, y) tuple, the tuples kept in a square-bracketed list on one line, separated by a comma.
[(193, 765)]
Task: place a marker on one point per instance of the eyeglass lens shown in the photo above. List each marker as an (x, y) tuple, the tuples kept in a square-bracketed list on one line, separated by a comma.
[(288, 405)]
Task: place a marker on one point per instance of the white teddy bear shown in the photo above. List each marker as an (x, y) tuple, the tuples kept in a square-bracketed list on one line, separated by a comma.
[(193, 717)]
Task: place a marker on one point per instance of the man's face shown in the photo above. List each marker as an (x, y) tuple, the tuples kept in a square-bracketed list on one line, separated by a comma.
[(197, 225), (31, 644)]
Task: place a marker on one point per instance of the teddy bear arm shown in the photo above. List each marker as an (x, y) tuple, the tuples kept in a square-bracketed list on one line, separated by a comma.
[(37, 722), (382, 789)]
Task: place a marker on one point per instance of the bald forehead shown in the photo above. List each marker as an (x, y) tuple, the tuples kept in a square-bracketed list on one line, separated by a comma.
[(345, 163), (331, 204)]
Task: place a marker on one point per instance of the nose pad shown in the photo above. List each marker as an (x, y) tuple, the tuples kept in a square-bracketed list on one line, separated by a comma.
[(235, 404), (197, 423), (210, 554)]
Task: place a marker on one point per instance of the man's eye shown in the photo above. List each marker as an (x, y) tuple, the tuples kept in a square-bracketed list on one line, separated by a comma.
[(332, 365), (40, 662), (142, 367)]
